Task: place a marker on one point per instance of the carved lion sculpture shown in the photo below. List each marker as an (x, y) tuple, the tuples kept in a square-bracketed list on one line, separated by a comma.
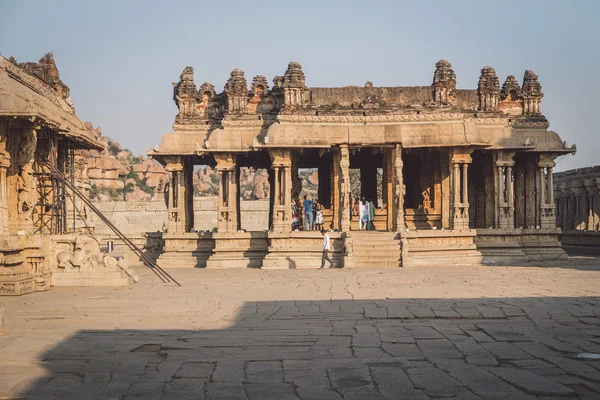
[(84, 248)]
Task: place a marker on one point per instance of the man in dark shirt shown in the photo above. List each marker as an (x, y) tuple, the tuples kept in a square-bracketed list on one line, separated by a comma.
[(308, 214)]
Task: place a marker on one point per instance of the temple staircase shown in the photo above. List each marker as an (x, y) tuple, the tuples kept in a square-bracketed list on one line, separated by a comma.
[(376, 249)]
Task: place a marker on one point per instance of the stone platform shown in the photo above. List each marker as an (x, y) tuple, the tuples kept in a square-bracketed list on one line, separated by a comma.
[(298, 250)]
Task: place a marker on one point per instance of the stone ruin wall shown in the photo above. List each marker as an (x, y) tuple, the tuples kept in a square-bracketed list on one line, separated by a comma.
[(136, 218), (577, 194), (350, 96)]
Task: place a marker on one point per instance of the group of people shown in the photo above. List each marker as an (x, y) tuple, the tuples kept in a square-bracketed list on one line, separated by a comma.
[(365, 211), (312, 212)]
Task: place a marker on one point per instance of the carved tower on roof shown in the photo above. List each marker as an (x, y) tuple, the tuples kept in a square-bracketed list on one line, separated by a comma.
[(444, 83), (184, 94), (488, 90), (236, 90), (293, 85), (532, 94)]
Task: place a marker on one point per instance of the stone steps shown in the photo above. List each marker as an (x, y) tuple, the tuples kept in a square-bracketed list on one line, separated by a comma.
[(376, 249)]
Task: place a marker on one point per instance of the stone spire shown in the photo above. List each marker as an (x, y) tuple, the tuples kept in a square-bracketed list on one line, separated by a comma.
[(184, 94), (511, 90), (236, 90), (204, 96), (532, 94), (259, 85), (444, 83), (293, 85), (488, 90)]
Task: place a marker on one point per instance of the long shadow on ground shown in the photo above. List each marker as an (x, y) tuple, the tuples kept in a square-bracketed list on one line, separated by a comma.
[(518, 348)]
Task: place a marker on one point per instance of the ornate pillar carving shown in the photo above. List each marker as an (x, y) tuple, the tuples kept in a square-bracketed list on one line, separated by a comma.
[(227, 207), (446, 189), (398, 190), (579, 221), (345, 205), (176, 201), (282, 205), (567, 201), (4, 165), (461, 160), (505, 203), (546, 202), (591, 193)]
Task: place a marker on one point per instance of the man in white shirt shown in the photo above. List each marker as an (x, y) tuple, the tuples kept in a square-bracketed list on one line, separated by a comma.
[(326, 248)]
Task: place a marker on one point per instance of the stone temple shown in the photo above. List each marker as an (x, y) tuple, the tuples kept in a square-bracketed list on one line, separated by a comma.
[(457, 175), (41, 222)]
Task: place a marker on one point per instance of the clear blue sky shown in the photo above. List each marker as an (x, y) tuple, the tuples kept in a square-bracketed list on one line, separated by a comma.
[(120, 57)]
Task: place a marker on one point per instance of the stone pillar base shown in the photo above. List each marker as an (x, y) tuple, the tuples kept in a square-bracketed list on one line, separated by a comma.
[(238, 250), (548, 222), (506, 223)]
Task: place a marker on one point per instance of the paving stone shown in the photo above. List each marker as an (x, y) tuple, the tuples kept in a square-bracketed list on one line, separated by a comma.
[(346, 379), (311, 394), (366, 340), (225, 391), (531, 383), (270, 391), (393, 383), (438, 348), (406, 350), (505, 351), (264, 371), (433, 381), (229, 371), (183, 388), (195, 370)]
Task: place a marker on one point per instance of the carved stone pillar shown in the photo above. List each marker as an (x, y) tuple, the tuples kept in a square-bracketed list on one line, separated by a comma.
[(505, 202), (566, 201), (577, 209), (176, 201), (345, 188), (282, 206), (546, 191), (227, 207), (591, 193), (398, 208), (460, 162), (4, 164), (446, 189)]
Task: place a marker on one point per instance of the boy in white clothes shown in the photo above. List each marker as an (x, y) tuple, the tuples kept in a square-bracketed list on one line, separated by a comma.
[(326, 248)]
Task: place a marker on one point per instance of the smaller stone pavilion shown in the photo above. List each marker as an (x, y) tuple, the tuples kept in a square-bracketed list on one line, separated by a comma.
[(40, 220), (466, 174)]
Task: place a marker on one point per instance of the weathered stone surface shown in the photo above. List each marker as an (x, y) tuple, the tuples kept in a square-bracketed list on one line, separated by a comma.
[(268, 334), (531, 383)]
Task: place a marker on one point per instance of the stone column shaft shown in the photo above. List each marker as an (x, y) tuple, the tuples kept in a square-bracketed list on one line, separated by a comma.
[(398, 190), (345, 205), (465, 185)]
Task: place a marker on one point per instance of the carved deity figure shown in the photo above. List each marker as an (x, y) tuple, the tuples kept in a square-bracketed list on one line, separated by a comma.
[(28, 145), (26, 187)]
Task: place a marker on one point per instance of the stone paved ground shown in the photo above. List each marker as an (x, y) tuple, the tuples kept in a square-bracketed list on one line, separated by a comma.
[(412, 333)]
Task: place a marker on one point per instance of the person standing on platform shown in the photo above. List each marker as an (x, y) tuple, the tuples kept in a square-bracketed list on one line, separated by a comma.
[(363, 210), (371, 216), (308, 214), (319, 220), (326, 249)]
